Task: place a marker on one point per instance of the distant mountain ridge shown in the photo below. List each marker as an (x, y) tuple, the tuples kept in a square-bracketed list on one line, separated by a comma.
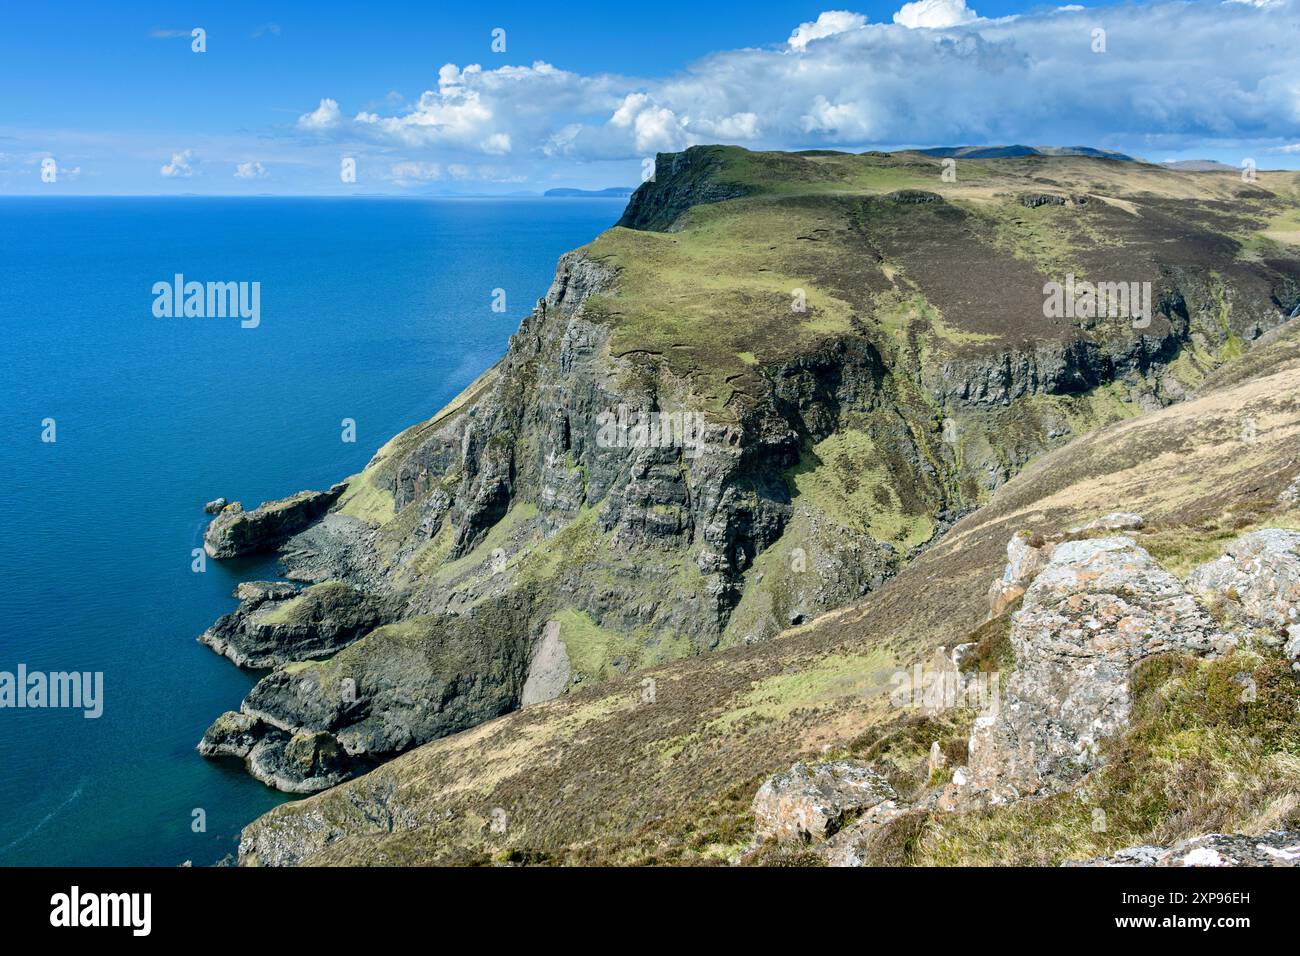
[(1003, 152), (617, 192)]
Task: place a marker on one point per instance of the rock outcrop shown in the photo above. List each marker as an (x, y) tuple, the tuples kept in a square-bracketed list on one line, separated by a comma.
[(309, 724), (1097, 608), (1257, 584), (814, 802), (235, 532), (276, 623), (301, 762)]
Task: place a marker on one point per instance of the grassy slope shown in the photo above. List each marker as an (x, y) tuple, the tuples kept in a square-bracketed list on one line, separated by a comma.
[(600, 776), (711, 302), (712, 299)]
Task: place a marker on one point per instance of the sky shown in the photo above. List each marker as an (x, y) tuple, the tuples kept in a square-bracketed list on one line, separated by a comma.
[(428, 98)]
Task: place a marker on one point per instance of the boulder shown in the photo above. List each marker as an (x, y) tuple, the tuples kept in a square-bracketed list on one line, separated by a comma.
[(848, 847), (812, 803), (215, 505), (1275, 848), (236, 532), (1257, 583), (1097, 609)]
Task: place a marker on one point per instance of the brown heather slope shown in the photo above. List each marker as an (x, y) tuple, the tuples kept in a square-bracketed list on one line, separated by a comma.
[(601, 776)]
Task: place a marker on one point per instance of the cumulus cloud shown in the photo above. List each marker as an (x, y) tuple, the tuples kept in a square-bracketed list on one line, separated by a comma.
[(934, 14), (827, 24), (180, 167), (326, 116), (937, 74), (252, 170)]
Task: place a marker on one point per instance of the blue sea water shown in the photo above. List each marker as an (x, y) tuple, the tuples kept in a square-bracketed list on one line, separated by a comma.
[(374, 310)]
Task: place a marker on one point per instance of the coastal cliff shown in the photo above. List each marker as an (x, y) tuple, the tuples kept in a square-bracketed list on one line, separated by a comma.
[(768, 390)]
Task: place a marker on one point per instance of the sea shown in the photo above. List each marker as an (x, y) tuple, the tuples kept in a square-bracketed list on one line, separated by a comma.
[(118, 425)]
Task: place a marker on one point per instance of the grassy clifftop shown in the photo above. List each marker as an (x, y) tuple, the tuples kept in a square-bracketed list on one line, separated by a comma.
[(718, 253)]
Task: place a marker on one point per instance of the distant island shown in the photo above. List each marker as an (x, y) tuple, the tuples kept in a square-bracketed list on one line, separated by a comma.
[(613, 192)]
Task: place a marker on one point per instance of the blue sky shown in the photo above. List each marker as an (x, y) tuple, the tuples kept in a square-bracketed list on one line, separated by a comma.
[(114, 96)]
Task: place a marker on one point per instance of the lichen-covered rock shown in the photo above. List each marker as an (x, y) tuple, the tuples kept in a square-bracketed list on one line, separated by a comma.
[(1275, 848), (276, 623), (235, 531), (306, 762), (1291, 493), (1027, 554), (1098, 608), (812, 803), (1256, 581), (848, 846)]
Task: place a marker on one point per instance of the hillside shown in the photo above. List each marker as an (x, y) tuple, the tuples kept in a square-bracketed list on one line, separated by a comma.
[(602, 776), (856, 353)]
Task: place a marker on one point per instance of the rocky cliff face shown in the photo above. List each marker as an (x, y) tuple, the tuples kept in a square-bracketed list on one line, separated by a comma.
[(1207, 747), (646, 504)]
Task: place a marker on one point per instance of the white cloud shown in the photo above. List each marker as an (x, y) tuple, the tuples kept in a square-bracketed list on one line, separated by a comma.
[(180, 167), (326, 116), (839, 81), (934, 14), (827, 24), (252, 170)]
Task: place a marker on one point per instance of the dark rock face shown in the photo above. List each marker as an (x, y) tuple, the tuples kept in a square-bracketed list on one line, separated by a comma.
[(912, 197), (681, 180), (1034, 200), (308, 725), (277, 623), (304, 762), (236, 532)]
